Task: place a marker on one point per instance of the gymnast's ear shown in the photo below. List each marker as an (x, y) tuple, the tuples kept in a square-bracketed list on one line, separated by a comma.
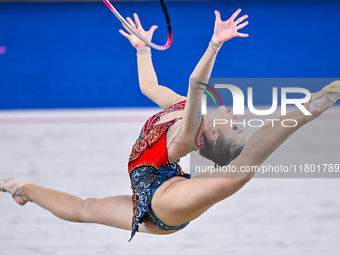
[(212, 134)]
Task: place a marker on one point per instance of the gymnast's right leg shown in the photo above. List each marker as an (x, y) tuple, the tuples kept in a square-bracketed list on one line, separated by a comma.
[(181, 200), (115, 211)]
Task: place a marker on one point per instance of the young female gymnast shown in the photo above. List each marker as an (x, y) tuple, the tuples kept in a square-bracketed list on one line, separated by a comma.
[(164, 198)]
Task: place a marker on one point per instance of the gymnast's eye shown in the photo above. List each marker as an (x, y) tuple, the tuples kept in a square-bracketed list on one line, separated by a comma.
[(235, 128)]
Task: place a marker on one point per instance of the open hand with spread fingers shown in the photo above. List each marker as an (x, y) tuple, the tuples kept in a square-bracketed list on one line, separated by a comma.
[(226, 30), (134, 40)]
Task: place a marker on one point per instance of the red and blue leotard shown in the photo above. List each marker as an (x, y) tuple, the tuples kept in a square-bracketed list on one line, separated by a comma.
[(149, 166)]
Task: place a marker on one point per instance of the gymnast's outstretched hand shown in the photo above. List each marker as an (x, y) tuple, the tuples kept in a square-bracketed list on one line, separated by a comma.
[(226, 30), (134, 40)]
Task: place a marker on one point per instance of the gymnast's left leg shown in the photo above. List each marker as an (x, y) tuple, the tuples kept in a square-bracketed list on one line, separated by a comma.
[(115, 211)]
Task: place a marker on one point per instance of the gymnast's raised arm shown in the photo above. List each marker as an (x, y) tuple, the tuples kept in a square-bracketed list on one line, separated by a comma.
[(223, 31), (148, 81)]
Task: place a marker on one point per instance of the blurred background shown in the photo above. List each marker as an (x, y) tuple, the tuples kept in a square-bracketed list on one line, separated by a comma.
[(71, 108), (70, 54)]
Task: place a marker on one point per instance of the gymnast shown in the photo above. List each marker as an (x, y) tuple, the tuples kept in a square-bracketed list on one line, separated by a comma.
[(164, 198)]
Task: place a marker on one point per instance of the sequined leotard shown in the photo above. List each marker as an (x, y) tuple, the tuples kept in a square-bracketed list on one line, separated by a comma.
[(149, 166)]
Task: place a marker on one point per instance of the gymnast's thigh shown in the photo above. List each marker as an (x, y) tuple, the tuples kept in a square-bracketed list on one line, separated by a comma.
[(180, 200)]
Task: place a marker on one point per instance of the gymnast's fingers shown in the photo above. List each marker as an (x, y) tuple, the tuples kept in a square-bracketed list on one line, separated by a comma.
[(218, 15), (153, 28), (132, 24), (126, 28), (242, 35), (124, 34), (239, 20), (242, 25), (233, 17), (137, 21)]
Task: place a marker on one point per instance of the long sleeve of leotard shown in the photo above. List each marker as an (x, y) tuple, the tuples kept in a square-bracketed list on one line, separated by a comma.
[(148, 82), (204, 67), (191, 122), (202, 74)]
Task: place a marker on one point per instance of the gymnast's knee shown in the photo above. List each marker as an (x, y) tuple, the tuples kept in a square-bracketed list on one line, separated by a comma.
[(86, 210)]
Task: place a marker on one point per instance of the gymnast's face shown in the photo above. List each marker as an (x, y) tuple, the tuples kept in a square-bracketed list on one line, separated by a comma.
[(228, 130)]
